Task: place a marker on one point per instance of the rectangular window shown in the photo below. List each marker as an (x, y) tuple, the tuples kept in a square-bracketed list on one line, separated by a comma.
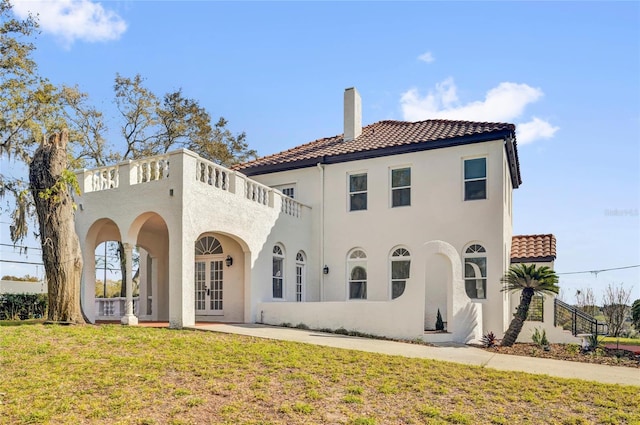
[(358, 192), (401, 187), (289, 191), (475, 179), (358, 290)]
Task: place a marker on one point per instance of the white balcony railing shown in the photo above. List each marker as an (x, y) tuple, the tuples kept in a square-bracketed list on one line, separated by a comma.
[(155, 168)]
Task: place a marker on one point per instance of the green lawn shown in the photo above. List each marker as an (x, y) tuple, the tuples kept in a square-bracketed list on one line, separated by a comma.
[(625, 341), (134, 375)]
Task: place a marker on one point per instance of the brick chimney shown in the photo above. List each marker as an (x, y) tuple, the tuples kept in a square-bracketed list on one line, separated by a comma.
[(352, 114)]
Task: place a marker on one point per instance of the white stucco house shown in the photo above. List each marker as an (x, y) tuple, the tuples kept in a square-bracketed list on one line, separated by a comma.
[(372, 230)]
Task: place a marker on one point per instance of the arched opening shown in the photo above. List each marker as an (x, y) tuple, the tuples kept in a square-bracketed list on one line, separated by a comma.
[(101, 276), (463, 317), (218, 278), (151, 236)]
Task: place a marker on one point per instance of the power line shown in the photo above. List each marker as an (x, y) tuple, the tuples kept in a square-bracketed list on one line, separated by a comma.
[(595, 272), (21, 262), (20, 246)]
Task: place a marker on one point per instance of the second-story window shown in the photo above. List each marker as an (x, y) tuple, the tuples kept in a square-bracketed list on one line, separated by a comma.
[(358, 192), (401, 187), (475, 179), (289, 191)]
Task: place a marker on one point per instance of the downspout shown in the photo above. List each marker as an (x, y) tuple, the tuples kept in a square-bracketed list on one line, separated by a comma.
[(321, 238)]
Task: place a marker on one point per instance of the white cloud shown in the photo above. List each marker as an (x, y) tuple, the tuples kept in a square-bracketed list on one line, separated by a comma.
[(72, 20), (534, 130), (426, 57), (504, 103)]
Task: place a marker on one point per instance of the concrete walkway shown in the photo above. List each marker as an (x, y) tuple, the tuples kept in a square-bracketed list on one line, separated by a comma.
[(447, 352)]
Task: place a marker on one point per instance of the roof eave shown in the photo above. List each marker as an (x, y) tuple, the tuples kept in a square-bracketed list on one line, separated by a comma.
[(546, 259), (391, 150)]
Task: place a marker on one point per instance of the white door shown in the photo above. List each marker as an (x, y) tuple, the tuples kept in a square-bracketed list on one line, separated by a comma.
[(209, 287)]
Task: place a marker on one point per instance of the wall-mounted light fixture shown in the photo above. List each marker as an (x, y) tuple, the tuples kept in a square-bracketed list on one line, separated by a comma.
[(228, 261), (325, 269), (170, 192)]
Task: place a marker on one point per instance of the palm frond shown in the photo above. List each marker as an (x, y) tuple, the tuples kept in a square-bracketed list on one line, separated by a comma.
[(540, 279)]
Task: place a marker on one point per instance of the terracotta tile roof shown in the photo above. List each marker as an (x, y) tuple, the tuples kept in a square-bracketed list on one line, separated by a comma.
[(532, 248), (378, 138)]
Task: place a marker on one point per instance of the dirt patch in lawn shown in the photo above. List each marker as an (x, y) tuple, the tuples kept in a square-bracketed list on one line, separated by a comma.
[(572, 352)]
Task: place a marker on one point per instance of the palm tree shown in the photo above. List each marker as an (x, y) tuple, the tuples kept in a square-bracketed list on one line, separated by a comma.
[(530, 280)]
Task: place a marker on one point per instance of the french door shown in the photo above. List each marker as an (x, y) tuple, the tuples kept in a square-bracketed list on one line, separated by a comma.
[(208, 285)]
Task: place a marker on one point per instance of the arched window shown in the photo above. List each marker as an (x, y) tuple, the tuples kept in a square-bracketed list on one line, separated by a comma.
[(400, 270), (278, 272), (475, 271), (300, 275), (357, 269), (208, 245)]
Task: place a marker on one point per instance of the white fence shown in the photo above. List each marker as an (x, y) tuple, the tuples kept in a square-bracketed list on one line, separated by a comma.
[(21, 287), (113, 308)]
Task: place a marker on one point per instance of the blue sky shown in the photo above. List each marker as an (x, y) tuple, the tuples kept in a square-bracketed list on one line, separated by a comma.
[(567, 74)]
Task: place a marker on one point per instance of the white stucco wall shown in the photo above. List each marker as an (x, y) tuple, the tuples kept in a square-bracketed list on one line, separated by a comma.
[(437, 211), (179, 209), (167, 216)]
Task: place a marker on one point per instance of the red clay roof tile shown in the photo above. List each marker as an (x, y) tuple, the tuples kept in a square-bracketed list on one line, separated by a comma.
[(383, 134), (525, 248)]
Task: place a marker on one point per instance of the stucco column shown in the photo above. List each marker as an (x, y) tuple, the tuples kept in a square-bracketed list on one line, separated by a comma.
[(129, 318)]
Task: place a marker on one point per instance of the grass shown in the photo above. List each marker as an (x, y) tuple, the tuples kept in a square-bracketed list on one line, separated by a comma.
[(623, 341), (132, 375), (20, 322)]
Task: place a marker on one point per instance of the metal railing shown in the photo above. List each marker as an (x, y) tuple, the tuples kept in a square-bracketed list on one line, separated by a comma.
[(573, 319)]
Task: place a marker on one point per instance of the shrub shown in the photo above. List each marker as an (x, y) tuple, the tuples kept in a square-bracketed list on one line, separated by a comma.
[(540, 338), (573, 348), (23, 306), (594, 342), (489, 340), (439, 322)]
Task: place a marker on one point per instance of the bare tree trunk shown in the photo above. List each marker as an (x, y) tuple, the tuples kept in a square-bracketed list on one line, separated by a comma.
[(60, 246)]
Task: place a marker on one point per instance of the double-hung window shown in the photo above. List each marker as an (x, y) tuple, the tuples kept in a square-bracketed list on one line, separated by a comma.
[(358, 192), (289, 191), (475, 179), (400, 187)]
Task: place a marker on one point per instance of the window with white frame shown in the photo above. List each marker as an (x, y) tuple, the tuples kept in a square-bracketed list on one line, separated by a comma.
[(400, 187), (289, 191), (278, 272), (357, 192), (400, 271), (475, 271), (475, 179), (300, 275), (357, 270)]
